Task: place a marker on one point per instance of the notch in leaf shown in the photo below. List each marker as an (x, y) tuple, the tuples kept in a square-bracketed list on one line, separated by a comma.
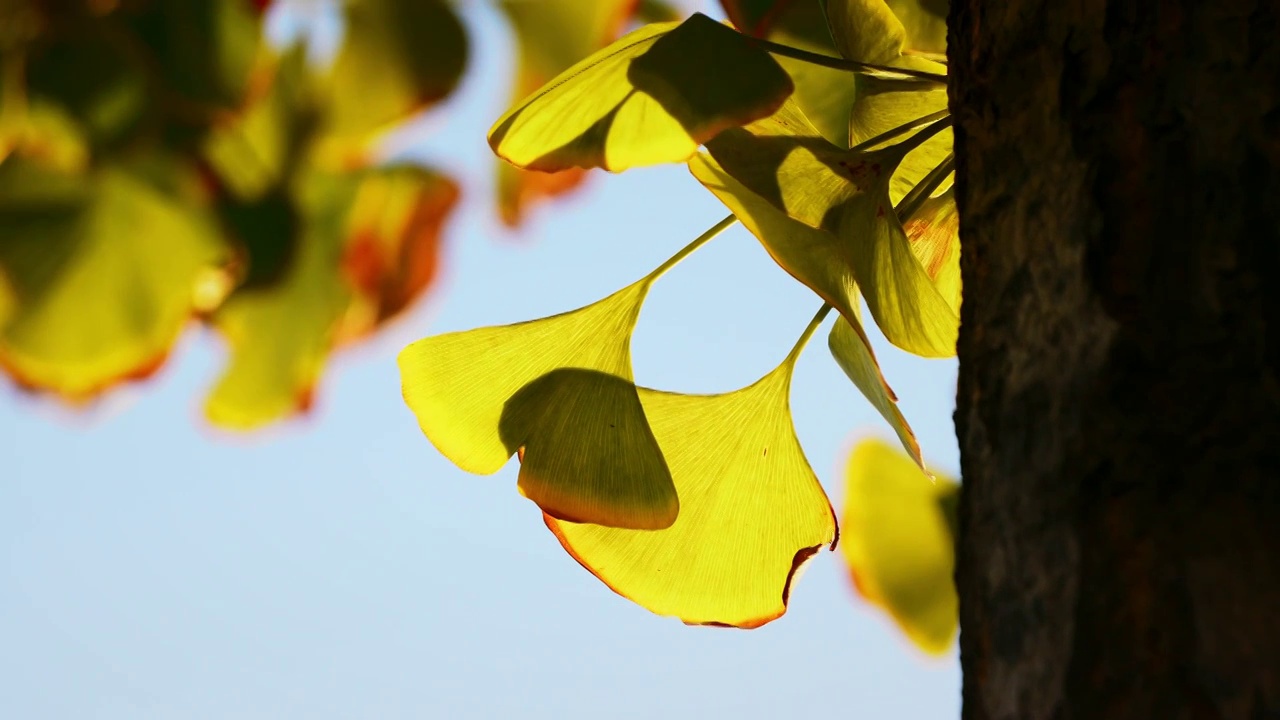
[(651, 97), (750, 505)]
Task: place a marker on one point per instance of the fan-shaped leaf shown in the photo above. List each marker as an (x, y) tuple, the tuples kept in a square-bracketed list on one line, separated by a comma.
[(934, 233), (784, 161), (925, 24), (559, 389), (751, 511), (651, 97), (103, 269), (899, 542)]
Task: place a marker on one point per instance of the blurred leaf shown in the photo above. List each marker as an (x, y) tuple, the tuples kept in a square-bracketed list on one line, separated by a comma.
[(551, 35), (280, 335), (366, 247), (203, 49), (397, 57), (810, 256), (649, 98), (265, 230), (899, 543), (752, 511), (103, 268), (97, 73), (783, 160), (560, 390), (393, 250), (257, 151), (652, 11), (39, 130)]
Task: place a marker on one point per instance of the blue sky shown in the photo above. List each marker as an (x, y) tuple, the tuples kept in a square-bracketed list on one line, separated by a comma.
[(338, 567)]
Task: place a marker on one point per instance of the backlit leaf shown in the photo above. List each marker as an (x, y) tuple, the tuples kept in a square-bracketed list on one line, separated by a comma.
[(934, 233), (560, 391), (397, 57), (103, 269), (550, 36), (810, 256), (924, 23), (751, 511), (783, 160), (886, 104), (899, 543), (651, 97)]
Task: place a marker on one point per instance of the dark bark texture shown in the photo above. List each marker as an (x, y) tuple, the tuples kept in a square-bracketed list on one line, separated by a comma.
[(1119, 399)]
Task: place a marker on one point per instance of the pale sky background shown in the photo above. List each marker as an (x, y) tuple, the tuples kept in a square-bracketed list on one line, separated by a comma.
[(339, 567)]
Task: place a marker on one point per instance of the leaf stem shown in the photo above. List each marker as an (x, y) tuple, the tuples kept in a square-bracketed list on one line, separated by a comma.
[(923, 136), (808, 333), (881, 71), (687, 250), (924, 189), (900, 130)]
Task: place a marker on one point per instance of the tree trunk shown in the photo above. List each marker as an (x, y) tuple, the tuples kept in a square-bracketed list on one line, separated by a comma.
[(1118, 409)]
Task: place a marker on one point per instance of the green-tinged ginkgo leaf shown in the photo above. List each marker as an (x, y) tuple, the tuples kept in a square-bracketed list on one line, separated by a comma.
[(899, 542), (280, 335), (651, 97), (924, 23), (204, 50), (550, 36), (811, 257), (103, 269), (852, 350), (866, 30), (397, 57), (934, 233), (885, 104), (751, 511), (783, 160), (256, 152), (588, 454), (824, 94), (42, 132), (366, 247)]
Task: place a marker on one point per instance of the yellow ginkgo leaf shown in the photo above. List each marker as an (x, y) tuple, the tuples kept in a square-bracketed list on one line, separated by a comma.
[(784, 161), (103, 269), (934, 233), (899, 542), (751, 510), (560, 389), (550, 36), (924, 23), (812, 258), (885, 104), (651, 97)]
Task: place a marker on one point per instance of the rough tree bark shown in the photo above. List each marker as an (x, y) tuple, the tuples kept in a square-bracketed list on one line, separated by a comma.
[(1119, 407)]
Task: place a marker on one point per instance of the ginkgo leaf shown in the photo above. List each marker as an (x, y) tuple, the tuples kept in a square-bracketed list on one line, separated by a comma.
[(811, 257), (280, 334), (103, 268), (866, 30), (884, 104), (851, 348), (367, 246), (784, 161), (899, 542), (560, 390), (651, 97), (752, 512), (397, 57), (394, 234), (824, 94), (934, 233), (924, 23), (550, 36)]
